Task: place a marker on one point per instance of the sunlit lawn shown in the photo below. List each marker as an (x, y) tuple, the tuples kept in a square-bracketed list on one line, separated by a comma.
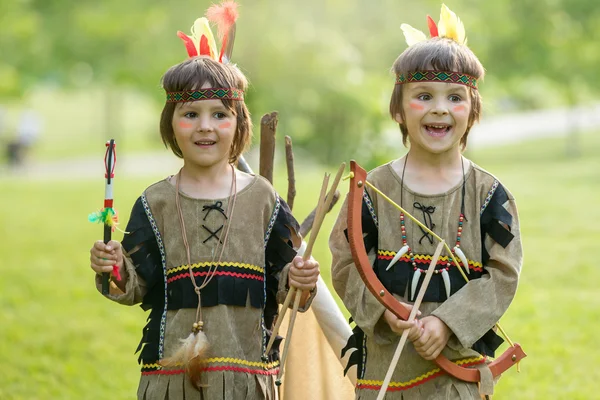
[(59, 339)]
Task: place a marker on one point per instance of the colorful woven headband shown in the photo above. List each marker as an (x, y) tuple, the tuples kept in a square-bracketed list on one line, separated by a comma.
[(205, 94), (437, 76)]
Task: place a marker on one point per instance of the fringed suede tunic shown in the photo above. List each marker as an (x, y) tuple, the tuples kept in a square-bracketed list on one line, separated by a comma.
[(238, 305), (490, 241)]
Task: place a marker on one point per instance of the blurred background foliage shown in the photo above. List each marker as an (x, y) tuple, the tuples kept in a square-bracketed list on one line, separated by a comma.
[(323, 64)]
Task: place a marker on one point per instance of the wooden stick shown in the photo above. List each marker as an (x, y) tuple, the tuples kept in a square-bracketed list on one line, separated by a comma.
[(289, 161), (325, 200), (268, 128), (307, 224), (288, 338), (290, 294), (284, 307), (411, 318)]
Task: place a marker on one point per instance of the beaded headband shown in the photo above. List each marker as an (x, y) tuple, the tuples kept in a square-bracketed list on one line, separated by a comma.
[(449, 26), (202, 43), (437, 76)]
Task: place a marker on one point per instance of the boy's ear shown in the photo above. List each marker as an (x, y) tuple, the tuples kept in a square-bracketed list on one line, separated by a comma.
[(398, 118)]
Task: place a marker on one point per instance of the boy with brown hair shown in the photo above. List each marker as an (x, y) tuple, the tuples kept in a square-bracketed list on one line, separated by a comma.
[(435, 102)]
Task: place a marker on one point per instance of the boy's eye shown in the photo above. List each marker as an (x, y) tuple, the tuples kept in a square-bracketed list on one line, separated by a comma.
[(424, 97)]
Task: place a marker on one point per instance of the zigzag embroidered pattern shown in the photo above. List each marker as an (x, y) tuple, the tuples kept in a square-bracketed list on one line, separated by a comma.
[(262, 368), (218, 273), (221, 264), (397, 386), (425, 259)]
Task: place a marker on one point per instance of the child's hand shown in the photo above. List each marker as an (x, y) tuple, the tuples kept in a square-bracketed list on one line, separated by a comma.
[(433, 339), (398, 325), (104, 256), (303, 275)]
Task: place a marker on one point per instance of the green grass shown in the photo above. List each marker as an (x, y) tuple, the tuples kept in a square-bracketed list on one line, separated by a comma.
[(60, 339)]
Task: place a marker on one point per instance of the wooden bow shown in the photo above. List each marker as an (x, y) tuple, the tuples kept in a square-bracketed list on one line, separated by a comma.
[(358, 180)]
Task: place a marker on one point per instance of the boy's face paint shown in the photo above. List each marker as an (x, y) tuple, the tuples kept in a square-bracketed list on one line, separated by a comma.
[(204, 131), (436, 115)]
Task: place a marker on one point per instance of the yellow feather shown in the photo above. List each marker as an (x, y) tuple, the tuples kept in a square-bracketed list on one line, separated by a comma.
[(201, 27), (450, 26), (412, 35)]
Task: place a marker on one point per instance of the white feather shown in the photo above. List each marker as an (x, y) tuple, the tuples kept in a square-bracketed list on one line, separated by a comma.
[(412, 35)]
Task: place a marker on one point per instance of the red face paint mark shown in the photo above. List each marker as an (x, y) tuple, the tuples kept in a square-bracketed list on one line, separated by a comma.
[(458, 109), (225, 125), (416, 106), (185, 125)]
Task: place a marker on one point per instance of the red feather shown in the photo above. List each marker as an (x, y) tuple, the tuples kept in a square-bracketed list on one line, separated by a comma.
[(189, 44), (204, 47), (433, 30), (223, 15)]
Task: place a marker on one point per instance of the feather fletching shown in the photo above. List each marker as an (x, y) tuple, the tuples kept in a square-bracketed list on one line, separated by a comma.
[(412, 35), (450, 26)]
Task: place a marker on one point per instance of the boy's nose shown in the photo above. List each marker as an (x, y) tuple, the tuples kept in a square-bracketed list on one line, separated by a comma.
[(440, 109), (204, 124)]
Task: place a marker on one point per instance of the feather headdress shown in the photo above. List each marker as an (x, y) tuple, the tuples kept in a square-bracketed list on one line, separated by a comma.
[(202, 42), (449, 26)]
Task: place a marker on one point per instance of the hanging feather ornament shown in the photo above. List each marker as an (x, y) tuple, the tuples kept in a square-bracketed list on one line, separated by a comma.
[(224, 16), (450, 26), (191, 355), (412, 35), (398, 255), (107, 216)]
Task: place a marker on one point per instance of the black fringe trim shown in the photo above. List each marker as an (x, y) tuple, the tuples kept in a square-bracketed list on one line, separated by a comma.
[(490, 222), (356, 342)]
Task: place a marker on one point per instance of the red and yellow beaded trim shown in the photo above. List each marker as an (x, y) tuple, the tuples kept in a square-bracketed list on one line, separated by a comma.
[(366, 384), (235, 269), (219, 364), (425, 259)]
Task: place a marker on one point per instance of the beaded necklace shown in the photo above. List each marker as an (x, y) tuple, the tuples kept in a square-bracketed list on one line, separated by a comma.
[(406, 249)]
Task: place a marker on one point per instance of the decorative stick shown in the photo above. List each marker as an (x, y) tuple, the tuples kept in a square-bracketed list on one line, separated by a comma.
[(411, 318), (289, 161), (109, 163)]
